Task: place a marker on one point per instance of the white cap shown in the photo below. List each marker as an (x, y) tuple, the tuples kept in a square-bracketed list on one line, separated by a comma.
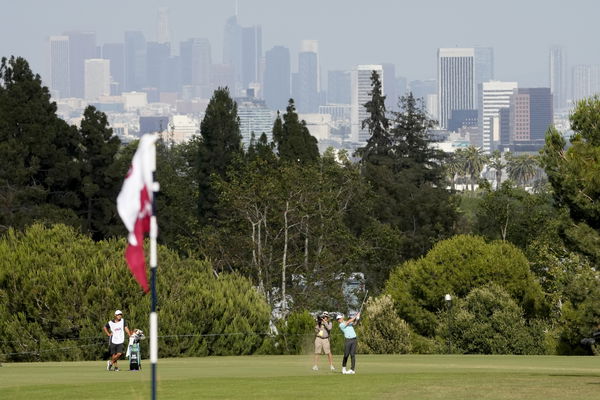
[(118, 312)]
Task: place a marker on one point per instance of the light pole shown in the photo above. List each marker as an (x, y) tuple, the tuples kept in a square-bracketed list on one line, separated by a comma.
[(448, 299)]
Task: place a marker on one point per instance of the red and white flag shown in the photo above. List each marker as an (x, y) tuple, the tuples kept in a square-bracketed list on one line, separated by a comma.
[(134, 205)]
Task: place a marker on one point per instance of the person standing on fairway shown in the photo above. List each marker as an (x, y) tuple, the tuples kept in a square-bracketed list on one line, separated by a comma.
[(115, 330), (322, 344), (350, 345)]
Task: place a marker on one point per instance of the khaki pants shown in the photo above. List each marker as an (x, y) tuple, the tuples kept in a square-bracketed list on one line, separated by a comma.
[(322, 345)]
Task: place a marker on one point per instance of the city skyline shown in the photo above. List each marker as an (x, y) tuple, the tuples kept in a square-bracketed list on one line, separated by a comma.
[(407, 35)]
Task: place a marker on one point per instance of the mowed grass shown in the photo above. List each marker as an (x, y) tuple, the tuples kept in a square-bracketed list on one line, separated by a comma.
[(291, 377)]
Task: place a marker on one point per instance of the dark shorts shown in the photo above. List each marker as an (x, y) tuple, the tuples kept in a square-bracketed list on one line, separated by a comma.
[(116, 348)]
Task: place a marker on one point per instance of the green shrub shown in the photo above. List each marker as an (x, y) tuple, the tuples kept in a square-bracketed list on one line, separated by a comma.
[(381, 331), (58, 288), (489, 321)]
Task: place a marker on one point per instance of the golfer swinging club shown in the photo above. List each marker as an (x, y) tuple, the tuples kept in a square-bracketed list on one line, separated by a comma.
[(115, 330), (350, 345)]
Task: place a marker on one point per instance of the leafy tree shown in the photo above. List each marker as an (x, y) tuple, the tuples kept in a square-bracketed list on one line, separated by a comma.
[(39, 153), (381, 330), (101, 178), (292, 138), (456, 266), (219, 148), (489, 321)]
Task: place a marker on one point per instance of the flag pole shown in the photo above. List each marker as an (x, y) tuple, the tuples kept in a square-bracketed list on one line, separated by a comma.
[(153, 267)]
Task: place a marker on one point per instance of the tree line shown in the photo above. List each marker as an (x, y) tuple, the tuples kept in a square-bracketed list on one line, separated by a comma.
[(295, 224)]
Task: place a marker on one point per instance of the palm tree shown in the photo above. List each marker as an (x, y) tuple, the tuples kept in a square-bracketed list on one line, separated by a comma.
[(455, 166), (497, 165), (475, 160), (522, 168)]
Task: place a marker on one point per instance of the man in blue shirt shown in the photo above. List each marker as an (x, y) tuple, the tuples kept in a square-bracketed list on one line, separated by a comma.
[(350, 345)]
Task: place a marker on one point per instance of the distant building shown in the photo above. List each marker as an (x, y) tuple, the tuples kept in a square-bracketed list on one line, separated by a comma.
[(455, 81), (361, 94), (558, 76), (134, 100), (338, 112), (251, 55), (531, 114), (319, 125), (484, 69), (82, 46), (163, 27), (495, 95), (306, 85), (222, 75), (391, 86), (422, 89), (586, 81), (115, 53), (277, 80), (152, 124), (255, 118), (339, 87), (157, 65), (196, 66), (59, 66), (461, 119), (182, 128), (232, 51), (96, 78), (135, 61)]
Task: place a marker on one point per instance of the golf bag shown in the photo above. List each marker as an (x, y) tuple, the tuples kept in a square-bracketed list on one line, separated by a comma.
[(134, 352)]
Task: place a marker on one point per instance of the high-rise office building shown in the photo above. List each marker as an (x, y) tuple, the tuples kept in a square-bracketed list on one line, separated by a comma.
[(135, 60), (558, 76), (483, 69), (115, 53), (306, 85), (59, 66), (456, 79), (157, 65), (82, 46), (96, 78), (361, 94), (196, 64), (495, 95), (586, 81), (164, 30), (339, 87), (391, 86), (531, 114), (422, 89), (251, 55), (277, 82), (255, 118), (232, 51)]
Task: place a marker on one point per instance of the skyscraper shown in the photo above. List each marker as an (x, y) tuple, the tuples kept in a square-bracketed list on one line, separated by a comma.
[(59, 66), (251, 55), (361, 94), (586, 81), (82, 46), (115, 53), (456, 81), (277, 78), (97, 78), (306, 90), (391, 86), (558, 76), (196, 64), (232, 51), (255, 118), (483, 69), (531, 113), (495, 96), (164, 32), (135, 60), (339, 87), (157, 62)]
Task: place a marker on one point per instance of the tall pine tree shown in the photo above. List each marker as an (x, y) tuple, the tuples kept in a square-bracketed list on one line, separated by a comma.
[(293, 139), (219, 148)]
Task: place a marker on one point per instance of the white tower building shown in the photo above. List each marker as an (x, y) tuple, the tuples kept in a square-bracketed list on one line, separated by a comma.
[(96, 78), (495, 95), (361, 94), (456, 82)]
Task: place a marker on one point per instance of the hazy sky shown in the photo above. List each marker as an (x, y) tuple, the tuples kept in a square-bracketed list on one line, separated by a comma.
[(350, 32)]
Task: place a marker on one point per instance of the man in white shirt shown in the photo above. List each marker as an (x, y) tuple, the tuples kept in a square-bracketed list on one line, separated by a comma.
[(115, 330)]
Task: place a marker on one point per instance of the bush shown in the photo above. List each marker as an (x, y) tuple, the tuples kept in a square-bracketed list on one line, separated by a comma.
[(381, 331), (489, 321), (456, 266), (296, 334), (58, 288)]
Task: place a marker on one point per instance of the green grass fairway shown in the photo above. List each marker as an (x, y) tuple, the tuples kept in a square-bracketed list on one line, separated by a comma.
[(291, 377)]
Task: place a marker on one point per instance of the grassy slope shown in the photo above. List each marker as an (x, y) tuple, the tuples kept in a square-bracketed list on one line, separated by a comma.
[(290, 377)]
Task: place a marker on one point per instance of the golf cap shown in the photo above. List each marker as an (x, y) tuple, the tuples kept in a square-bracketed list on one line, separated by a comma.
[(118, 312), (339, 316)]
